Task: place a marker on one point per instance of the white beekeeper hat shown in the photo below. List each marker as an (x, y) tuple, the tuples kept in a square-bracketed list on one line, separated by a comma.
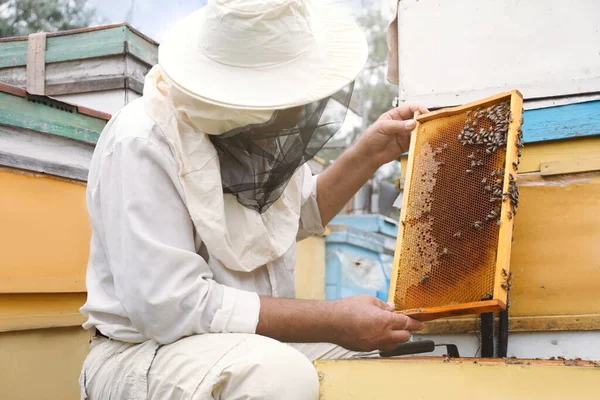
[(263, 54)]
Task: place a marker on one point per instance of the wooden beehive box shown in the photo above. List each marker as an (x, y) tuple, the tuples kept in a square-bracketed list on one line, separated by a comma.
[(46, 148), (453, 250), (101, 68)]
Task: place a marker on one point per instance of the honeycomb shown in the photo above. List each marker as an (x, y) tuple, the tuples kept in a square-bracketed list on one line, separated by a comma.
[(455, 202)]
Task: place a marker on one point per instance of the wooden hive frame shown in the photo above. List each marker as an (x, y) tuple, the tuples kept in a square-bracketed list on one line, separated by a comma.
[(502, 268)]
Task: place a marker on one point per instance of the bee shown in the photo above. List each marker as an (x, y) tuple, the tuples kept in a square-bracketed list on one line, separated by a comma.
[(515, 165), (441, 163), (504, 272), (498, 222), (471, 156), (510, 215), (457, 235), (484, 181), (403, 223), (445, 253), (425, 279), (477, 224), (445, 146), (357, 263), (468, 171), (505, 286), (488, 296)]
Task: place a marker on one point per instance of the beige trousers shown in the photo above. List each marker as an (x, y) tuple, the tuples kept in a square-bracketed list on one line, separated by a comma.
[(210, 366)]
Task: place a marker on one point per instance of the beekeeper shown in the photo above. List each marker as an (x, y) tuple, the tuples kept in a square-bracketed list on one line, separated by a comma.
[(197, 195)]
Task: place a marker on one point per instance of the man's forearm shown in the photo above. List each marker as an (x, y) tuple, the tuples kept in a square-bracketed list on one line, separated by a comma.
[(338, 183), (297, 321), (361, 323)]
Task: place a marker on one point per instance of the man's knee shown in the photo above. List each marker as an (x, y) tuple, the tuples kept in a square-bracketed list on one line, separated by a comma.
[(268, 369)]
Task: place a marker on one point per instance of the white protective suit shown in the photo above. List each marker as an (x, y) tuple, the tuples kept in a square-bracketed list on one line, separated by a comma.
[(176, 267)]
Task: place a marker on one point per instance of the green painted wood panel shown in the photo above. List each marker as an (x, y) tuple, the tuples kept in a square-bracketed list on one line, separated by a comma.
[(17, 111), (142, 49), (100, 43), (13, 54)]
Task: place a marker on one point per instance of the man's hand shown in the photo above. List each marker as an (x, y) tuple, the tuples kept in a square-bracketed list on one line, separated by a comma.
[(361, 323), (383, 142), (389, 137), (364, 323)]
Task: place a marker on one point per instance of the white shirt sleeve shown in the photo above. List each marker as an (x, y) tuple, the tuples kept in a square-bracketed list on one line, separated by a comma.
[(310, 216), (165, 287)]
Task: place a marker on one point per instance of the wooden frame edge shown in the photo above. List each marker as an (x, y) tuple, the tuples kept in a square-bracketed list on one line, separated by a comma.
[(432, 313), (411, 157), (446, 112), (506, 224)]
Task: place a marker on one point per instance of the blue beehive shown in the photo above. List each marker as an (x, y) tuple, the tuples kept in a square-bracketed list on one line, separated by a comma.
[(359, 254)]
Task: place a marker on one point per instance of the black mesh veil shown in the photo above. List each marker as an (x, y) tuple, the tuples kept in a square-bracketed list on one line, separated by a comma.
[(257, 161)]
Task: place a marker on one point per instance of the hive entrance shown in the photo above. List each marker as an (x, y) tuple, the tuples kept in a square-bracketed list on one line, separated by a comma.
[(456, 220)]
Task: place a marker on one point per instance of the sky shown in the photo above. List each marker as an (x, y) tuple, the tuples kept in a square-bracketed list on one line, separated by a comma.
[(154, 17)]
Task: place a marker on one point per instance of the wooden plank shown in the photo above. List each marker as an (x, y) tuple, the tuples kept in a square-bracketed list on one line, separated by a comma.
[(21, 113), (10, 89), (88, 85), (555, 253), (534, 154), (439, 378), (507, 223), (570, 166), (446, 112), (45, 234), (35, 282), (41, 166), (554, 123), (101, 43), (40, 311), (408, 173), (546, 323), (310, 268), (13, 54), (42, 364), (83, 44), (431, 313), (36, 64), (141, 48)]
